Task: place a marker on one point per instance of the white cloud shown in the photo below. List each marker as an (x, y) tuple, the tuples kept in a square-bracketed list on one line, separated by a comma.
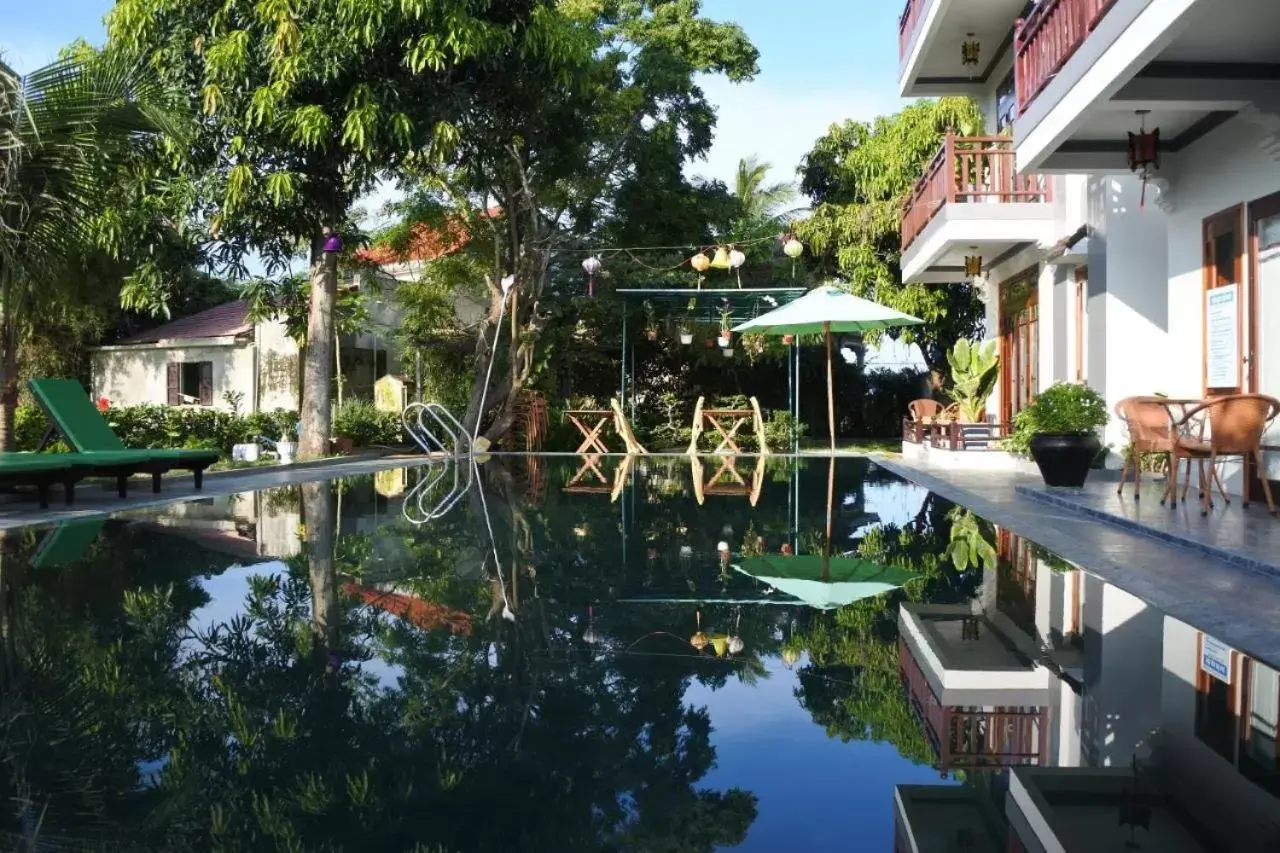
[(778, 124)]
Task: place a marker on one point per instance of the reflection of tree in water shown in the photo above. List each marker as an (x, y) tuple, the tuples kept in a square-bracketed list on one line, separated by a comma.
[(273, 730), (851, 685)]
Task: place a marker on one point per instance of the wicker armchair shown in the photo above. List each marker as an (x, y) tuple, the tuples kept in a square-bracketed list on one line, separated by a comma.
[(1236, 424), (1150, 431)]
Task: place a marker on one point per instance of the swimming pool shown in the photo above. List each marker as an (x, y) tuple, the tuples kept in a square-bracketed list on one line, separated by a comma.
[(553, 654)]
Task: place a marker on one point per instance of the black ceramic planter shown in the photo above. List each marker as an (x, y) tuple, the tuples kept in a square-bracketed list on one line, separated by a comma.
[(1064, 460)]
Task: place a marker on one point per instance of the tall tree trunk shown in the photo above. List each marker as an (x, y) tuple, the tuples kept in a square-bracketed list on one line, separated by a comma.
[(317, 365), (326, 615), (8, 381), (485, 340)]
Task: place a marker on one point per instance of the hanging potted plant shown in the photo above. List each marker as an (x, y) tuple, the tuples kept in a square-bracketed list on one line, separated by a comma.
[(650, 322), (686, 323), (1059, 430), (788, 340), (726, 328)]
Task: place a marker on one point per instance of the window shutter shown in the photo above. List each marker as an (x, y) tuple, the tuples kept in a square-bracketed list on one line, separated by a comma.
[(206, 383), (174, 383)]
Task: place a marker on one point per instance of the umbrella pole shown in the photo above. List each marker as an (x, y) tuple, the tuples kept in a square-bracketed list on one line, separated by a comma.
[(831, 490), (831, 399)]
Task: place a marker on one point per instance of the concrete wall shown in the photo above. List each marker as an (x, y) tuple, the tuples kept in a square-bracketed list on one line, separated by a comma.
[(1123, 655), (133, 375), (136, 375), (279, 370), (1127, 307)]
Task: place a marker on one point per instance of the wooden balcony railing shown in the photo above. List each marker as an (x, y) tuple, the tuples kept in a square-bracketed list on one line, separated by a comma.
[(907, 27), (969, 170), (972, 738), (1047, 38)]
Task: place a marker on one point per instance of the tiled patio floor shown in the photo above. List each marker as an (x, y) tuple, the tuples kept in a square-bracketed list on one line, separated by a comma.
[(1247, 537), (1237, 606)]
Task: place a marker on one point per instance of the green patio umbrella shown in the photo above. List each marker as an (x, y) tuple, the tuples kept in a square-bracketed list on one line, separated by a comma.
[(824, 310), (822, 581), (819, 580)]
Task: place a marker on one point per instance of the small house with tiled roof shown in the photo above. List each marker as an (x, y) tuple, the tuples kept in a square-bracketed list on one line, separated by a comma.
[(220, 355), (216, 358)]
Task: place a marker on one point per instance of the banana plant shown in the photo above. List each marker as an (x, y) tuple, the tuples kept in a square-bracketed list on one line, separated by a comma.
[(970, 545), (974, 370)]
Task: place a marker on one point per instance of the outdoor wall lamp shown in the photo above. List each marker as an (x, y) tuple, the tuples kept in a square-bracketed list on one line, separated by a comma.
[(973, 265), (970, 51), (1144, 152)]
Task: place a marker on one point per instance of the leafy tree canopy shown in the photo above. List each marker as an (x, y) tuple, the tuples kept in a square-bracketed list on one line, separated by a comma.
[(857, 176)]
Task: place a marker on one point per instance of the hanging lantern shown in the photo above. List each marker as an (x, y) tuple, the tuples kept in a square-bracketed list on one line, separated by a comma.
[(790, 657), (970, 52), (736, 259), (719, 644), (792, 248), (591, 266), (332, 241), (699, 641), (736, 645), (721, 260), (1144, 153), (972, 265), (700, 262)]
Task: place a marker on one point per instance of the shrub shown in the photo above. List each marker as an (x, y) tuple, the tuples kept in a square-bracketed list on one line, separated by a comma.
[(362, 422), (154, 427)]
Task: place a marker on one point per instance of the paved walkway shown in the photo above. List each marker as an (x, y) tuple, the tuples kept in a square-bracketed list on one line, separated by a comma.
[(91, 499), (1237, 606), (1245, 536)]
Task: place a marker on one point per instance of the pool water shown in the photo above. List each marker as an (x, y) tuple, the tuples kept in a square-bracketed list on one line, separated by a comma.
[(565, 654)]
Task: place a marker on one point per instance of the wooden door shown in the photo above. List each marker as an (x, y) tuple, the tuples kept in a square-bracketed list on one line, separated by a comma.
[(1019, 345), (1224, 297)]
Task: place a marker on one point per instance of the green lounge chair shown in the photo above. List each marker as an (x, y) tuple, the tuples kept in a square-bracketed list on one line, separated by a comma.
[(67, 543), (41, 470), (73, 416)]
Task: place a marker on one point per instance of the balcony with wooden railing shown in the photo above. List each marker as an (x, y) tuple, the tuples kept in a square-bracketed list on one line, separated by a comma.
[(970, 170), (1047, 38), (907, 27), (973, 738)]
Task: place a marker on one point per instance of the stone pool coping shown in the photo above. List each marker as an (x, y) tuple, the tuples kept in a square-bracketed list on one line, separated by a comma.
[(1237, 606), (1265, 562)]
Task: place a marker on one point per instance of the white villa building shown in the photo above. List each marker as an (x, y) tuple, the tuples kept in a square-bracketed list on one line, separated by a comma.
[(1093, 273)]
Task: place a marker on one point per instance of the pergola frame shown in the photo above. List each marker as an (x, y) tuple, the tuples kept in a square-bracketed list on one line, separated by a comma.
[(709, 305)]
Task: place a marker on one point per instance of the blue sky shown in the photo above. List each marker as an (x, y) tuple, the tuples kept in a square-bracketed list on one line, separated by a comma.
[(821, 61)]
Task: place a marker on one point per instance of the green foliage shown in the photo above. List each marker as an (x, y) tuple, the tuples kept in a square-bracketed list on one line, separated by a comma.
[(857, 177), (360, 421), (974, 371), (157, 427), (970, 545), (1061, 409), (758, 199)]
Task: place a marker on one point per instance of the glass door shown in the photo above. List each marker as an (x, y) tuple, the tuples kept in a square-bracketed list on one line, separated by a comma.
[(1223, 301)]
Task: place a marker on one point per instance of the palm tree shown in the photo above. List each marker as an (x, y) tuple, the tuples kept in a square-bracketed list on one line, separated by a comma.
[(65, 130), (760, 200)]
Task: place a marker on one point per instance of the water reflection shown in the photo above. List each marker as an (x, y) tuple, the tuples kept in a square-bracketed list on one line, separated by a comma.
[(519, 656)]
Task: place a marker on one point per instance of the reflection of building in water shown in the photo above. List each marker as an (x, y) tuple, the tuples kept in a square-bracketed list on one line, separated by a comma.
[(1172, 739), (250, 524)]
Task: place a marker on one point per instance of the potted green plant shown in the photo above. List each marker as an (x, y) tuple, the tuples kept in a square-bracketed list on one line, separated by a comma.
[(686, 323), (974, 371), (726, 328), (1059, 429), (650, 322)]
